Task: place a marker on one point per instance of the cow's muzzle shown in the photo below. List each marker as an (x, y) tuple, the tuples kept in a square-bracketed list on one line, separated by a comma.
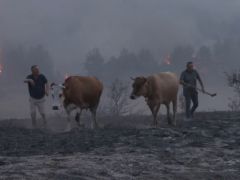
[(55, 108)]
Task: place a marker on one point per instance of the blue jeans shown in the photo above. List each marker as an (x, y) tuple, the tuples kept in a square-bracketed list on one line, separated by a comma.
[(191, 95)]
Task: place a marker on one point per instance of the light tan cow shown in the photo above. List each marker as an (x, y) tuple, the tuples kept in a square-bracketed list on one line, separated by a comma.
[(158, 89), (80, 92)]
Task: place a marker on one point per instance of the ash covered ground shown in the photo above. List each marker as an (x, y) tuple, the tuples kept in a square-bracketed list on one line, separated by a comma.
[(125, 148)]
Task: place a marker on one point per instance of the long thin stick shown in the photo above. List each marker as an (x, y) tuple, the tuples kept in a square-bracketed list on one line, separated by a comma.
[(204, 92)]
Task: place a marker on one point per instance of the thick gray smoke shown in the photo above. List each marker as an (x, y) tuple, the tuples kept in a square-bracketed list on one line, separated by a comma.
[(69, 29)]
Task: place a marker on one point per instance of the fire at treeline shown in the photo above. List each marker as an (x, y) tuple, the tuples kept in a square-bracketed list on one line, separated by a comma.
[(15, 60), (222, 57)]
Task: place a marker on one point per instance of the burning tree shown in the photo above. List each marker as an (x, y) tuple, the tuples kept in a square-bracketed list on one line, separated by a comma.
[(233, 81)]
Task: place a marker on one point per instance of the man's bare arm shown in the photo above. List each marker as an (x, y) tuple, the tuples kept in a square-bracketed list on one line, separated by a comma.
[(29, 81), (47, 87)]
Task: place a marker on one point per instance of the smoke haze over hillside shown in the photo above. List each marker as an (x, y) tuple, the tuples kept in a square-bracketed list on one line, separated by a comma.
[(69, 29)]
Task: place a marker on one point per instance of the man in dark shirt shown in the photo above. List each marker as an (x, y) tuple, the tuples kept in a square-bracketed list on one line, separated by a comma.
[(38, 89), (189, 79)]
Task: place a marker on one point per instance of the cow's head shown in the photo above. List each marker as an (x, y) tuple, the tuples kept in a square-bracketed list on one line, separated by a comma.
[(139, 87), (57, 95)]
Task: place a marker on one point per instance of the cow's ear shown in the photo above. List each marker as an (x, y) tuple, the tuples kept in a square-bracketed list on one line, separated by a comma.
[(132, 78)]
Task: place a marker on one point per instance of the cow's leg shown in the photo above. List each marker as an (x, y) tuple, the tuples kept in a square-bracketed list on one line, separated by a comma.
[(156, 112), (78, 116), (174, 104), (154, 109), (94, 121), (168, 113), (69, 109), (69, 127)]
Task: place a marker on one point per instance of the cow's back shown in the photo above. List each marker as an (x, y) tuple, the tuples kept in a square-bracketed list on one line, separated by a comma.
[(165, 86), (83, 91)]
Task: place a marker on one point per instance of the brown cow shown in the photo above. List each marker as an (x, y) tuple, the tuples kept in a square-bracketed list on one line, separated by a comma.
[(79, 92), (158, 89)]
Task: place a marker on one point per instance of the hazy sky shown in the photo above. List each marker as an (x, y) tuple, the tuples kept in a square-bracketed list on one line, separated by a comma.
[(70, 28)]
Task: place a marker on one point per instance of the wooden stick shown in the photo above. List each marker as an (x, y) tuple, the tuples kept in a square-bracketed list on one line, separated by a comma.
[(200, 90)]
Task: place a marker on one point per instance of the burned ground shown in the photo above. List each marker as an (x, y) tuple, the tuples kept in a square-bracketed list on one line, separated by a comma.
[(205, 148)]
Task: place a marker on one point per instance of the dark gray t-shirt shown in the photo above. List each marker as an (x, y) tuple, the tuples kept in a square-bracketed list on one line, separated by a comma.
[(38, 90), (190, 77)]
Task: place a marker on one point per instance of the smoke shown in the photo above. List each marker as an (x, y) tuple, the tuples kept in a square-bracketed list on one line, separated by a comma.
[(69, 29)]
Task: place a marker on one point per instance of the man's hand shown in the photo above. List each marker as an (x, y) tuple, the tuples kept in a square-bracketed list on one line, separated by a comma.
[(182, 82), (186, 84), (30, 81)]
